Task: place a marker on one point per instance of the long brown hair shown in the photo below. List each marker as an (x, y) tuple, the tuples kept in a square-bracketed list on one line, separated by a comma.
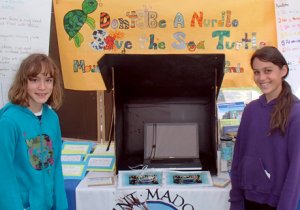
[(280, 113), (29, 68)]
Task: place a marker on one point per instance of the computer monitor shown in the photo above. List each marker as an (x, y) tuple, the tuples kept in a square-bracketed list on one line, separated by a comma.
[(171, 144)]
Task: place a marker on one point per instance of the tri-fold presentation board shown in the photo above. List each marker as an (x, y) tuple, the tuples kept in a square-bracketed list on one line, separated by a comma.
[(170, 89)]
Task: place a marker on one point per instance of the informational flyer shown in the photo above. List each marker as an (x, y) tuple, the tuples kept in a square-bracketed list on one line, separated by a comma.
[(22, 32), (288, 39)]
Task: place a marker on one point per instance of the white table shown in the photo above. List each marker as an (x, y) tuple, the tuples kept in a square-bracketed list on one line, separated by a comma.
[(162, 198)]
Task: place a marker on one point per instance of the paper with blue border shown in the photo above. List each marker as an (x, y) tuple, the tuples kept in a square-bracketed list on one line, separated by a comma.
[(125, 178), (101, 149), (69, 147), (100, 162), (71, 157), (204, 175), (74, 170)]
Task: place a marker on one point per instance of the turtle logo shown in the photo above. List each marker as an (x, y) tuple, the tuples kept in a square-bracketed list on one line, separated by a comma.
[(135, 204), (154, 205), (75, 19), (150, 205)]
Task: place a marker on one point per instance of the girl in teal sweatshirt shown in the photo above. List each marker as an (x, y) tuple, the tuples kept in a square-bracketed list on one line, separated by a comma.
[(30, 139)]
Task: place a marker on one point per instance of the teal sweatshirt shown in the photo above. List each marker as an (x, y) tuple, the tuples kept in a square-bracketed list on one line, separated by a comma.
[(31, 174)]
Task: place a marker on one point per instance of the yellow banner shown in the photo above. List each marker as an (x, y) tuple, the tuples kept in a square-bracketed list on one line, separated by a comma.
[(89, 29)]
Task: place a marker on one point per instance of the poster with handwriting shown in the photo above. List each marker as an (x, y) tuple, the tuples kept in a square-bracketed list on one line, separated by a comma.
[(24, 29), (288, 34), (88, 29)]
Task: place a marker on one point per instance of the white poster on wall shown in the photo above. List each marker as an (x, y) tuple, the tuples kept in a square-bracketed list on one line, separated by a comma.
[(24, 29), (288, 38)]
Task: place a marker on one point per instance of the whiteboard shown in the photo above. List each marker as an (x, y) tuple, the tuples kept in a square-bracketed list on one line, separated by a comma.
[(22, 32), (288, 38)]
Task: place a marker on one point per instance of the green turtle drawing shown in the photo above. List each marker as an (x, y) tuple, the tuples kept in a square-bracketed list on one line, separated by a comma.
[(75, 19)]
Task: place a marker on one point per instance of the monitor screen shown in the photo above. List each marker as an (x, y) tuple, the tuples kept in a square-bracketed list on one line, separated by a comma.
[(171, 140)]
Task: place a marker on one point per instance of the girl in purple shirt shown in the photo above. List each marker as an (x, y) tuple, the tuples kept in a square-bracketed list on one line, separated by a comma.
[(266, 164)]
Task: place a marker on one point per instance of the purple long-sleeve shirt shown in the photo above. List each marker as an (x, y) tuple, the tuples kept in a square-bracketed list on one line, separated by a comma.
[(266, 168)]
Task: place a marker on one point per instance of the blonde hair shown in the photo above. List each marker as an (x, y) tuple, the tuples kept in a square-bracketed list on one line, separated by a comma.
[(29, 68)]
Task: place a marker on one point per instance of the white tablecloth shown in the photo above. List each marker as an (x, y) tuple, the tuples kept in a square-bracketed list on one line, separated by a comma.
[(184, 198)]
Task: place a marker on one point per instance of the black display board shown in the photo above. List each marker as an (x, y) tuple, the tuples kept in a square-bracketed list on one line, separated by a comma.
[(166, 88)]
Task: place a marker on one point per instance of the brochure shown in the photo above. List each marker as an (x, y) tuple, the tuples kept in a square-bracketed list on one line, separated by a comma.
[(230, 110)]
